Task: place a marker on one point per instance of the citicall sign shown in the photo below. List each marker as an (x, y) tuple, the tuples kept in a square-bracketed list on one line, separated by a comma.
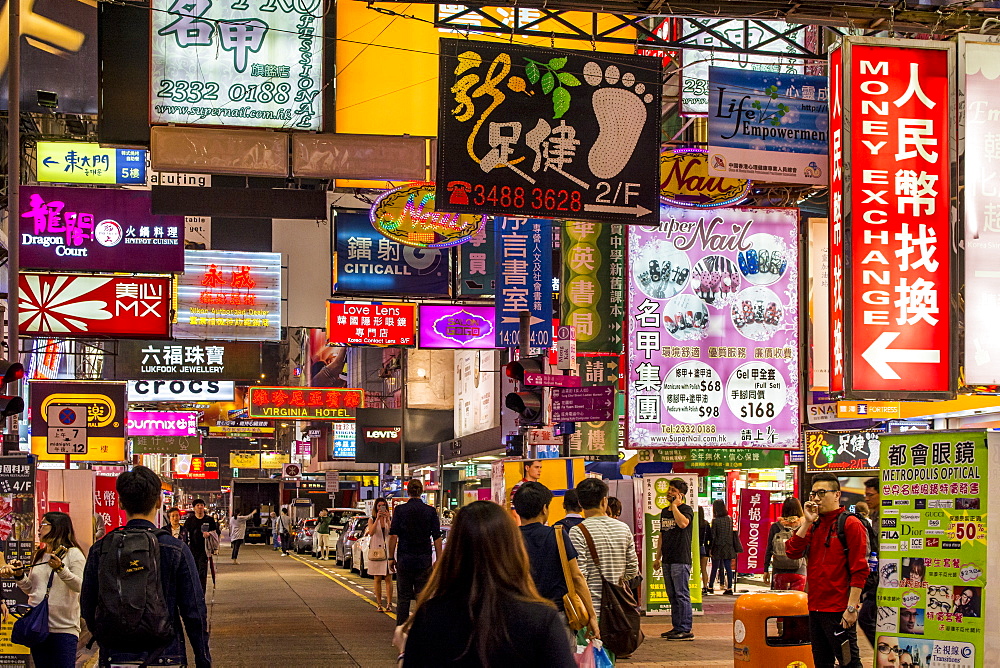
[(181, 390)]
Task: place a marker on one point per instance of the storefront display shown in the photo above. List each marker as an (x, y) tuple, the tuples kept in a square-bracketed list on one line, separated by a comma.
[(654, 496)]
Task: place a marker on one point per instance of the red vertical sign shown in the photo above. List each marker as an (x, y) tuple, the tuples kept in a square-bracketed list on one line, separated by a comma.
[(897, 233), (106, 502), (754, 528), (836, 264)]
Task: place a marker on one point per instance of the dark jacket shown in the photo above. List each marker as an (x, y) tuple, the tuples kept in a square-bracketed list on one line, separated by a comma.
[(722, 543), (181, 591)]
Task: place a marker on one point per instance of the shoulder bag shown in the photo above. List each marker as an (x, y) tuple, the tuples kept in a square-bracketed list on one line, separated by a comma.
[(576, 611), (620, 624), (378, 553), (32, 629)]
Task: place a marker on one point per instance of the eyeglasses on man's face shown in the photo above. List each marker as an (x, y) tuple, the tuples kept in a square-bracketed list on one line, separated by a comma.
[(886, 648), (820, 493), (45, 524)]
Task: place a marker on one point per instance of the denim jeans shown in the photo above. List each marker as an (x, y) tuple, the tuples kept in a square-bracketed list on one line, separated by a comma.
[(676, 577), (718, 565), (58, 650)]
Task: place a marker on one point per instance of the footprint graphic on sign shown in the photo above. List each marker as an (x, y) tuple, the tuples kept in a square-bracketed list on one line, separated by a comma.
[(620, 108)]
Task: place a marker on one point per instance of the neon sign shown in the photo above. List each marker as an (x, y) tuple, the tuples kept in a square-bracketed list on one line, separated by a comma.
[(407, 215), (685, 182)]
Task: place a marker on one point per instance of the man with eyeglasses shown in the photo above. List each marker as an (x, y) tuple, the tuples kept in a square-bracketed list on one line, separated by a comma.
[(835, 575)]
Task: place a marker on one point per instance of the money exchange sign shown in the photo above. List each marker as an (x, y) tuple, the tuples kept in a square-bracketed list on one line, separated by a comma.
[(713, 330), (540, 132), (593, 260)]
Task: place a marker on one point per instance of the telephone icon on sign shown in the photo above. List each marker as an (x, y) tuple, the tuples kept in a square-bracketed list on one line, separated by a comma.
[(459, 192)]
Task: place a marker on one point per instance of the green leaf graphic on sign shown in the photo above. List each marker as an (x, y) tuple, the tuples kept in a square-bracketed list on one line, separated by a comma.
[(567, 79), (560, 102), (531, 71), (557, 63), (548, 82)]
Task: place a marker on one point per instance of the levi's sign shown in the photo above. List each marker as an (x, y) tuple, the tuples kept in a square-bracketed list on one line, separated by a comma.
[(313, 403)]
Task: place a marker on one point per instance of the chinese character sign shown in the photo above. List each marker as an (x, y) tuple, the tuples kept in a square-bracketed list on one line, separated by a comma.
[(933, 548), (593, 284), (592, 439), (184, 360), (754, 525), (842, 451), (835, 266), (291, 403), (18, 535), (372, 324), (539, 132), (106, 502), (713, 330), (446, 326), (162, 423), (83, 229), (477, 264), (654, 502), (898, 145), (86, 162), (237, 63), (524, 279)]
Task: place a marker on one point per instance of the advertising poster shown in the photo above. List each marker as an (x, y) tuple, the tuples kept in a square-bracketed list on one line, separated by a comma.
[(344, 439), (185, 360), (654, 501), (18, 534), (714, 330), (241, 64), (477, 271), (717, 460), (106, 502), (477, 390), (565, 133), (593, 284), (933, 553), (842, 451), (768, 126), (89, 162), (457, 326), (597, 439), (368, 263), (104, 429), (524, 279), (754, 523)]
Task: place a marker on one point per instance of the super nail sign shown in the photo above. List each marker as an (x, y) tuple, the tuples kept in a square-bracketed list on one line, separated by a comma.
[(533, 132), (891, 209)]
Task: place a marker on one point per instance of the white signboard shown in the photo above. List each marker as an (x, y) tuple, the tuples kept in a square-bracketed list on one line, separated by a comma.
[(332, 481), (252, 64), (476, 391), (181, 390), (67, 433)]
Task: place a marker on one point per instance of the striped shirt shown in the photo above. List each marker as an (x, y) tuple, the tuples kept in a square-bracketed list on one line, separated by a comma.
[(615, 550)]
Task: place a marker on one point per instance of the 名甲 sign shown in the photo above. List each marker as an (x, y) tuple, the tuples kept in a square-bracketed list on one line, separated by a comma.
[(97, 410), (407, 214), (84, 229), (239, 64), (524, 279), (91, 306), (890, 223), (187, 360), (371, 324), (86, 162), (539, 132), (457, 326), (315, 403), (595, 403)]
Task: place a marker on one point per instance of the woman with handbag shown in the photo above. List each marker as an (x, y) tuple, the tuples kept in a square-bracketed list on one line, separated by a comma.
[(377, 558), (55, 578), (723, 546)]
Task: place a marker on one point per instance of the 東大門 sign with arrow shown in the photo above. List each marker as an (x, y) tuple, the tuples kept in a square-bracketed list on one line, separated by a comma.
[(89, 162)]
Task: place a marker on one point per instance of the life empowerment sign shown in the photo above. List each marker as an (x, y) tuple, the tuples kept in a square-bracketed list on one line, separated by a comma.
[(890, 229), (713, 328), (85, 229), (247, 64), (162, 423), (371, 324), (539, 132)]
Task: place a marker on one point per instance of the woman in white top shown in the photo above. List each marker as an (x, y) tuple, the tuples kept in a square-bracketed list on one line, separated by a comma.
[(378, 529), (238, 531), (66, 576)]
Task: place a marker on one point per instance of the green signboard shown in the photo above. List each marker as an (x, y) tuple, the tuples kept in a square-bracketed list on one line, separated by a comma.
[(726, 458), (593, 285), (932, 549), (654, 501)]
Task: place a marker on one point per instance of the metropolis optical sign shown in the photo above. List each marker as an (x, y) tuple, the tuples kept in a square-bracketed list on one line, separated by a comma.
[(245, 64)]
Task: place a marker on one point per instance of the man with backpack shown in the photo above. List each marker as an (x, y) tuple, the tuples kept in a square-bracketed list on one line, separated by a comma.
[(140, 582), (835, 544), (203, 537), (783, 572)]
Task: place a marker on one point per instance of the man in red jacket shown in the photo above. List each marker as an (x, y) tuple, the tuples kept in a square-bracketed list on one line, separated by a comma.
[(835, 575)]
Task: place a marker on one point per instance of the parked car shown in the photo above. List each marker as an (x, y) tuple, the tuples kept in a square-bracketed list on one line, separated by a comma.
[(304, 539), (304, 535), (359, 551), (354, 530)]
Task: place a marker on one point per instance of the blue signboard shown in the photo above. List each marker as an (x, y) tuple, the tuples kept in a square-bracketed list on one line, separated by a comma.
[(344, 439), (368, 263), (768, 126), (524, 279)]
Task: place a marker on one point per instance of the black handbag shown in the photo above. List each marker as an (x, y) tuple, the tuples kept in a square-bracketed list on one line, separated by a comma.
[(620, 623), (32, 628)]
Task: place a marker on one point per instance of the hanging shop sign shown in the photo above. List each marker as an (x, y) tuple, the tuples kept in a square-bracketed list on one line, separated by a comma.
[(141, 391), (564, 134), (716, 458), (244, 460), (367, 262), (686, 183), (458, 326), (842, 451), (892, 221), (981, 208), (597, 439), (714, 330), (932, 548), (295, 403), (593, 284), (237, 64), (477, 264), (835, 226), (371, 323), (344, 439), (754, 524), (229, 295), (524, 279), (770, 126), (86, 229), (104, 430), (273, 460), (90, 163), (18, 533), (195, 467), (90, 306), (407, 215), (162, 423), (183, 360), (166, 445), (241, 426), (106, 502)]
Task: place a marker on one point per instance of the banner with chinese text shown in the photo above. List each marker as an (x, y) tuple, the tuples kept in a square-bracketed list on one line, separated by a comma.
[(18, 534), (754, 522), (524, 279), (593, 284), (654, 501)]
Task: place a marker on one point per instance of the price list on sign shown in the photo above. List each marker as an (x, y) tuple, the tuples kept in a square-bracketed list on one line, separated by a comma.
[(713, 330)]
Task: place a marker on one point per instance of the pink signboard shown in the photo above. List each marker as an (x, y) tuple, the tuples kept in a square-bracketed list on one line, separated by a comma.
[(713, 322), (754, 524), (162, 423), (457, 326)]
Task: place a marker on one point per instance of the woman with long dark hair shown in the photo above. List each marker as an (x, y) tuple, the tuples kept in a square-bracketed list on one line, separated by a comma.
[(480, 607), (57, 571), (378, 528), (722, 548)]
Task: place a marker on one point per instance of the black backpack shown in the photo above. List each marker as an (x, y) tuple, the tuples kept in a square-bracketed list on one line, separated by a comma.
[(871, 584), (131, 610)]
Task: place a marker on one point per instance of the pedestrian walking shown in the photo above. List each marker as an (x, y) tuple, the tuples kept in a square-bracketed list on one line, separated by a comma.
[(480, 608), (174, 525), (723, 547), (704, 541), (238, 532), (282, 529), (570, 504), (414, 529), (836, 553), (60, 583), (377, 561), (321, 536), (541, 542), (873, 499), (157, 597), (674, 554), (614, 507), (272, 523), (780, 571), (199, 525)]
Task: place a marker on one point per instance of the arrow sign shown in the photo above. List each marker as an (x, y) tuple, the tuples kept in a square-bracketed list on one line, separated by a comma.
[(606, 208), (583, 404), (50, 162), (879, 356)]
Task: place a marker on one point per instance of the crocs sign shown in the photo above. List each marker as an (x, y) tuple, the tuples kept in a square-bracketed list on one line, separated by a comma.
[(407, 215), (685, 182)]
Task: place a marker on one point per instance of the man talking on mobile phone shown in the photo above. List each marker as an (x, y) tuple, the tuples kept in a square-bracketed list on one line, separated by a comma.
[(836, 555)]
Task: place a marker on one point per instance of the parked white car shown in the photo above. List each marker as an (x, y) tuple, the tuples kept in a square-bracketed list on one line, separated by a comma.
[(359, 552)]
